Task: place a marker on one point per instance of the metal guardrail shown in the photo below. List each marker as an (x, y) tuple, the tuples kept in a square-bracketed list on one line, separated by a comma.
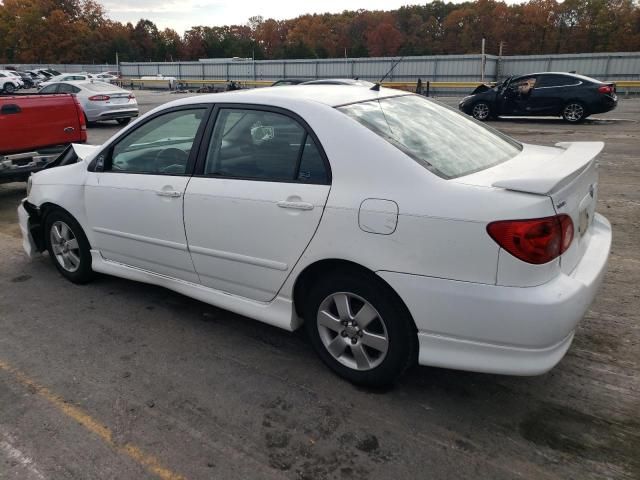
[(426, 86)]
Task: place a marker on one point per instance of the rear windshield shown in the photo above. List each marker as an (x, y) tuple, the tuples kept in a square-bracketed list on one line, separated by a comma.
[(100, 87), (439, 138)]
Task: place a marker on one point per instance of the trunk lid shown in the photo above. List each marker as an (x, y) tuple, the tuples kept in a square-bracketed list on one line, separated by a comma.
[(566, 173), (118, 98)]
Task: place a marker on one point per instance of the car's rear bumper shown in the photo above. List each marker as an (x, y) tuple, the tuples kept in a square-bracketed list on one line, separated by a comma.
[(125, 111), (605, 104), (496, 329)]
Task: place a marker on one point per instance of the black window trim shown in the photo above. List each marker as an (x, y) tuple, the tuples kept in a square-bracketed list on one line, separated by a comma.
[(104, 157), (549, 75), (204, 146)]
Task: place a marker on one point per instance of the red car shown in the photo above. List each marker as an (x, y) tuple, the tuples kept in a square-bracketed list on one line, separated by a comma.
[(34, 129)]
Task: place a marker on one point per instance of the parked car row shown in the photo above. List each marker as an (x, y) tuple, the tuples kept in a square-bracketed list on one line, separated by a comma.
[(106, 77), (13, 79)]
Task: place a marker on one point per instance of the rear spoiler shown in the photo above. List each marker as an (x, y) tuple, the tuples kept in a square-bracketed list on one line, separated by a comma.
[(550, 175)]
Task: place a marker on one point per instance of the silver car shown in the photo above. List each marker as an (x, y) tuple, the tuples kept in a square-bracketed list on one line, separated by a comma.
[(99, 100)]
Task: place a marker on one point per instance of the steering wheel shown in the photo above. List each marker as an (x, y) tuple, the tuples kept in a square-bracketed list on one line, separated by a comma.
[(171, 160)]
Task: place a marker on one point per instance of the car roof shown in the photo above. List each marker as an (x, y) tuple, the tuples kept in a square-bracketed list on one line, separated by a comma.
[(331, 95), (339, 81), (86, 83), (565, 74)]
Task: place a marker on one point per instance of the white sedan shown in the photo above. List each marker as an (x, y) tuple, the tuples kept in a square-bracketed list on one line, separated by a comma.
[(398, 230), (99, 100)]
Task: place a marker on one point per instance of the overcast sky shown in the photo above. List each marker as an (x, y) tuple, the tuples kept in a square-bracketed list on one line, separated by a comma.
[(182, 14)]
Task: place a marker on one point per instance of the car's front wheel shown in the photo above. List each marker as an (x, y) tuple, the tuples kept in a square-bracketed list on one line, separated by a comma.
[(9, 87), (68, 247), (360, 329), (481, 111), (574, 112)]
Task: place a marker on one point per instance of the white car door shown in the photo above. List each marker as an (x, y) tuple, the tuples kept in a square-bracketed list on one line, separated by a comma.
[(134, 199), (256, 200)]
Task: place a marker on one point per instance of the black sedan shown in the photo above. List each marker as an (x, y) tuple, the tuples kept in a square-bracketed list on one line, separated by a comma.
[(573, 97)]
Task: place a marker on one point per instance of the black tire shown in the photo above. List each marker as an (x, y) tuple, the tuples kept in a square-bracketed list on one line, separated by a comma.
[(574, 112), (123, 121), (481, 111), (83, 272), (9, 87), (398, 328)]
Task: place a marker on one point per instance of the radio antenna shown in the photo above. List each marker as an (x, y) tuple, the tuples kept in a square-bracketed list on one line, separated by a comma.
[(376, 87)]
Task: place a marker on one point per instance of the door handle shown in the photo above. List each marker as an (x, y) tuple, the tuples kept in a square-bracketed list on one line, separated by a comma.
[(10, 108), (168, 193), (295, 205)]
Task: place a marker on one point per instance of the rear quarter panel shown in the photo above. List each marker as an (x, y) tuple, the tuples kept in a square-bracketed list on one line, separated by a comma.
[(441, 227)]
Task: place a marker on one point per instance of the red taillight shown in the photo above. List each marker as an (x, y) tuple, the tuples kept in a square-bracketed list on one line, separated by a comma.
[(99, 98), (537, 240), (132, 96), (605, 89)]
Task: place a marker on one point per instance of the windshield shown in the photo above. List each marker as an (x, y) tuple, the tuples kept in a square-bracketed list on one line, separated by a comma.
[(102, 87), (439, 138)]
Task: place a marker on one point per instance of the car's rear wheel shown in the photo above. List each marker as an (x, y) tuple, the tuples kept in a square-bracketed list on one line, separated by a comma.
[(123, 121), (68, 247), (360, 329), (481, 111), (574, 112), (9, 87)]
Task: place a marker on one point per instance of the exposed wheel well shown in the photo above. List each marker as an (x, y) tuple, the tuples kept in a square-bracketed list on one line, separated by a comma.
[(46, 209), (314, 271)]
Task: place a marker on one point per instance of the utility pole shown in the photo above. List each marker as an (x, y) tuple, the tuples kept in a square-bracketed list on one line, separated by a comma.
[(499, 66), (483, 61)]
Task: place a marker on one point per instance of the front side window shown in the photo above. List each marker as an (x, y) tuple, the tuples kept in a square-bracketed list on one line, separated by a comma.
[(161, 146), (256, 144), (523, 86), (444, 141)]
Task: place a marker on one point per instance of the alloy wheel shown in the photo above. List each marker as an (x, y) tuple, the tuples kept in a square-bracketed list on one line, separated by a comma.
[(573, 112), (481, 111), (65, 246), (352, 331)]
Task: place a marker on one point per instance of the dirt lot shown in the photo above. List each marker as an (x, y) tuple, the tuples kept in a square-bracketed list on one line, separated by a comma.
[(120, 380)]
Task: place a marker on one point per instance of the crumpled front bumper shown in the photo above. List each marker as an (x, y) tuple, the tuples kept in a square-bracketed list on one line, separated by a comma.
[(27, 226)]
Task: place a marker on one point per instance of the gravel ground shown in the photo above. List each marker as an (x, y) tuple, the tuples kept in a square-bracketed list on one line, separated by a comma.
[(120, 380)]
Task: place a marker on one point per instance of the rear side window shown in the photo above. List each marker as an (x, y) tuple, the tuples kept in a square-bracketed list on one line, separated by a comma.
[(312, 168), (66, 88), (439, 138), (263, 145), (556, 81)]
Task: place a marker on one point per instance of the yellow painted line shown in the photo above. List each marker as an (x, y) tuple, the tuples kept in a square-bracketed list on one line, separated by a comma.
[(149, 462)]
